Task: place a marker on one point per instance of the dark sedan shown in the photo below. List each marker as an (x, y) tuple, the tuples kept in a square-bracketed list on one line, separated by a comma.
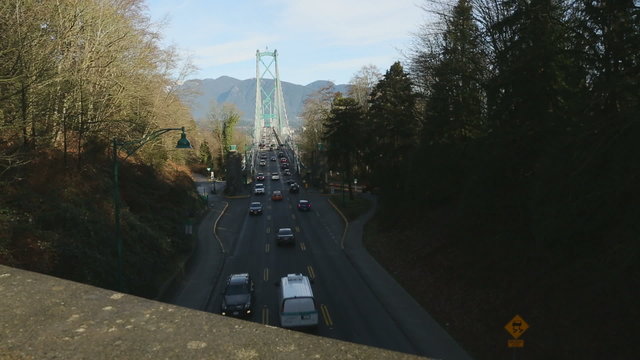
[(255, 208), (237, 298), (304, 205)]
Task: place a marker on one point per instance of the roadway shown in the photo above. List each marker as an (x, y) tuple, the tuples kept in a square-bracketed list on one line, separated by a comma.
[(348, 308)]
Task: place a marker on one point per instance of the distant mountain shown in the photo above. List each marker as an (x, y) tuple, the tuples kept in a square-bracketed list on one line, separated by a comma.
[(200, 94)]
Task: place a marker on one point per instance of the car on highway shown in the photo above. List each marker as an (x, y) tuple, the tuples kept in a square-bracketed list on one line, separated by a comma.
[(238, 295), (275, 176), (260, 177), (284, 160), (255, 208), (294, 188), (277, 195), (284, 166), (273, 158), (287, 172), (263, 163), (304, 205), (285, 236), (258, 189), (296, 302)]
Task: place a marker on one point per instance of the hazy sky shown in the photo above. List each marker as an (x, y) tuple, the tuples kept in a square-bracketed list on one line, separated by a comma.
[(315, 39)]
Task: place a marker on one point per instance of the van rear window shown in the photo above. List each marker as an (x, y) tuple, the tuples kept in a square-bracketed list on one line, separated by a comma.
[(298, 305)]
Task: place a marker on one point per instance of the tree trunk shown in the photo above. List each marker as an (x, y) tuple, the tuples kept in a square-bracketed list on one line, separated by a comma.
[(23, 113)]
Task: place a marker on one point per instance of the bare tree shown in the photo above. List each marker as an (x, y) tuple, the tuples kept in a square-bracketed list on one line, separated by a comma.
[(362, 84)]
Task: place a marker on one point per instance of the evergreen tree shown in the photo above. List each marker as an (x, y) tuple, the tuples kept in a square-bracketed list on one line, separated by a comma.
[(393, 126), (528, 90), (455, 107), (223, 120), (610, 37), (342, 134), (231, 119), (205, 154)]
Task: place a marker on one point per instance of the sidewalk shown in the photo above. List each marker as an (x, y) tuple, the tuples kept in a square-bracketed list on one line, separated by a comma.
[(427, 336), (192, 287)]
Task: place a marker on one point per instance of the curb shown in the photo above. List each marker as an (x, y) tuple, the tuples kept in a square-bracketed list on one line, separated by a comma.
[(224, 257), (215, 225), (237, 197)]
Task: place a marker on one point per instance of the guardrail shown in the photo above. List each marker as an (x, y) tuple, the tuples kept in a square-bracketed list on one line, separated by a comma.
[(342, 186), (44, 317)]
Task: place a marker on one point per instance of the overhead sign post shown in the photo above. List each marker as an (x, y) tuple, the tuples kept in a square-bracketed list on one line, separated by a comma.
[(516, 327)]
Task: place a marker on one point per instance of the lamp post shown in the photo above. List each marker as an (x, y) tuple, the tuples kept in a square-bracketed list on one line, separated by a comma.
[(130, 147), (247, 164), (212, 179)]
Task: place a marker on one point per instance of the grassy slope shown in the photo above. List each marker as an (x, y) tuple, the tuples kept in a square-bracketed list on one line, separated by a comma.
[(556, 242), (60, 221)]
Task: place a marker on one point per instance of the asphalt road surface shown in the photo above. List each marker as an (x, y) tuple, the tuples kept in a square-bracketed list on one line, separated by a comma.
[(353, 300)]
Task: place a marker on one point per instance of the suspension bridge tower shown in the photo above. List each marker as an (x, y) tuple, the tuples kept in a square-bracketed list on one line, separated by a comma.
[(271, 114)]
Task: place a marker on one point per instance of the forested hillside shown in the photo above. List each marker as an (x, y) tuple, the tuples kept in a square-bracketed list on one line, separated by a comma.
[(74, 75), (506, 157)]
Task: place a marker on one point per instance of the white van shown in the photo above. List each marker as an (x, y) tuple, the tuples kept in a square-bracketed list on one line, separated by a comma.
[(297, 305)]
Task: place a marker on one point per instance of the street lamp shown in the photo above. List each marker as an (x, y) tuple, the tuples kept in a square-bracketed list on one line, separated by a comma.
[(247, 164), (212, 180), (130, 147)]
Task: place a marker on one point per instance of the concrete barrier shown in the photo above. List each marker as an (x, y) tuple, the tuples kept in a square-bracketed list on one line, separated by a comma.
[(43, 317)]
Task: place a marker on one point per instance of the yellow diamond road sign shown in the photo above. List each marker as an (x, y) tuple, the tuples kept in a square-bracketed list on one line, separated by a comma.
[(516, 327)]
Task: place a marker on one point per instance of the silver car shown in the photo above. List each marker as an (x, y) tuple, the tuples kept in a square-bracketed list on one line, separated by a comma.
[(285, 236)]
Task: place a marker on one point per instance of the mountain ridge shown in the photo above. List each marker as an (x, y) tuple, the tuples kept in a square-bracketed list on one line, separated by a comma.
[(201, 94)]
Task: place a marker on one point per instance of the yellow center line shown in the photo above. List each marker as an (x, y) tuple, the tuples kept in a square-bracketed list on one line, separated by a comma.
[(265, 315), (302, 247), (265, 274), (268, 230), (297, 229), (312, 274), (266, 247), (325, 315)]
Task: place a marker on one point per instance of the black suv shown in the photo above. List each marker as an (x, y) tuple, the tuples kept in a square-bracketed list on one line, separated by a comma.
[(294, 188), (237, 298)]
